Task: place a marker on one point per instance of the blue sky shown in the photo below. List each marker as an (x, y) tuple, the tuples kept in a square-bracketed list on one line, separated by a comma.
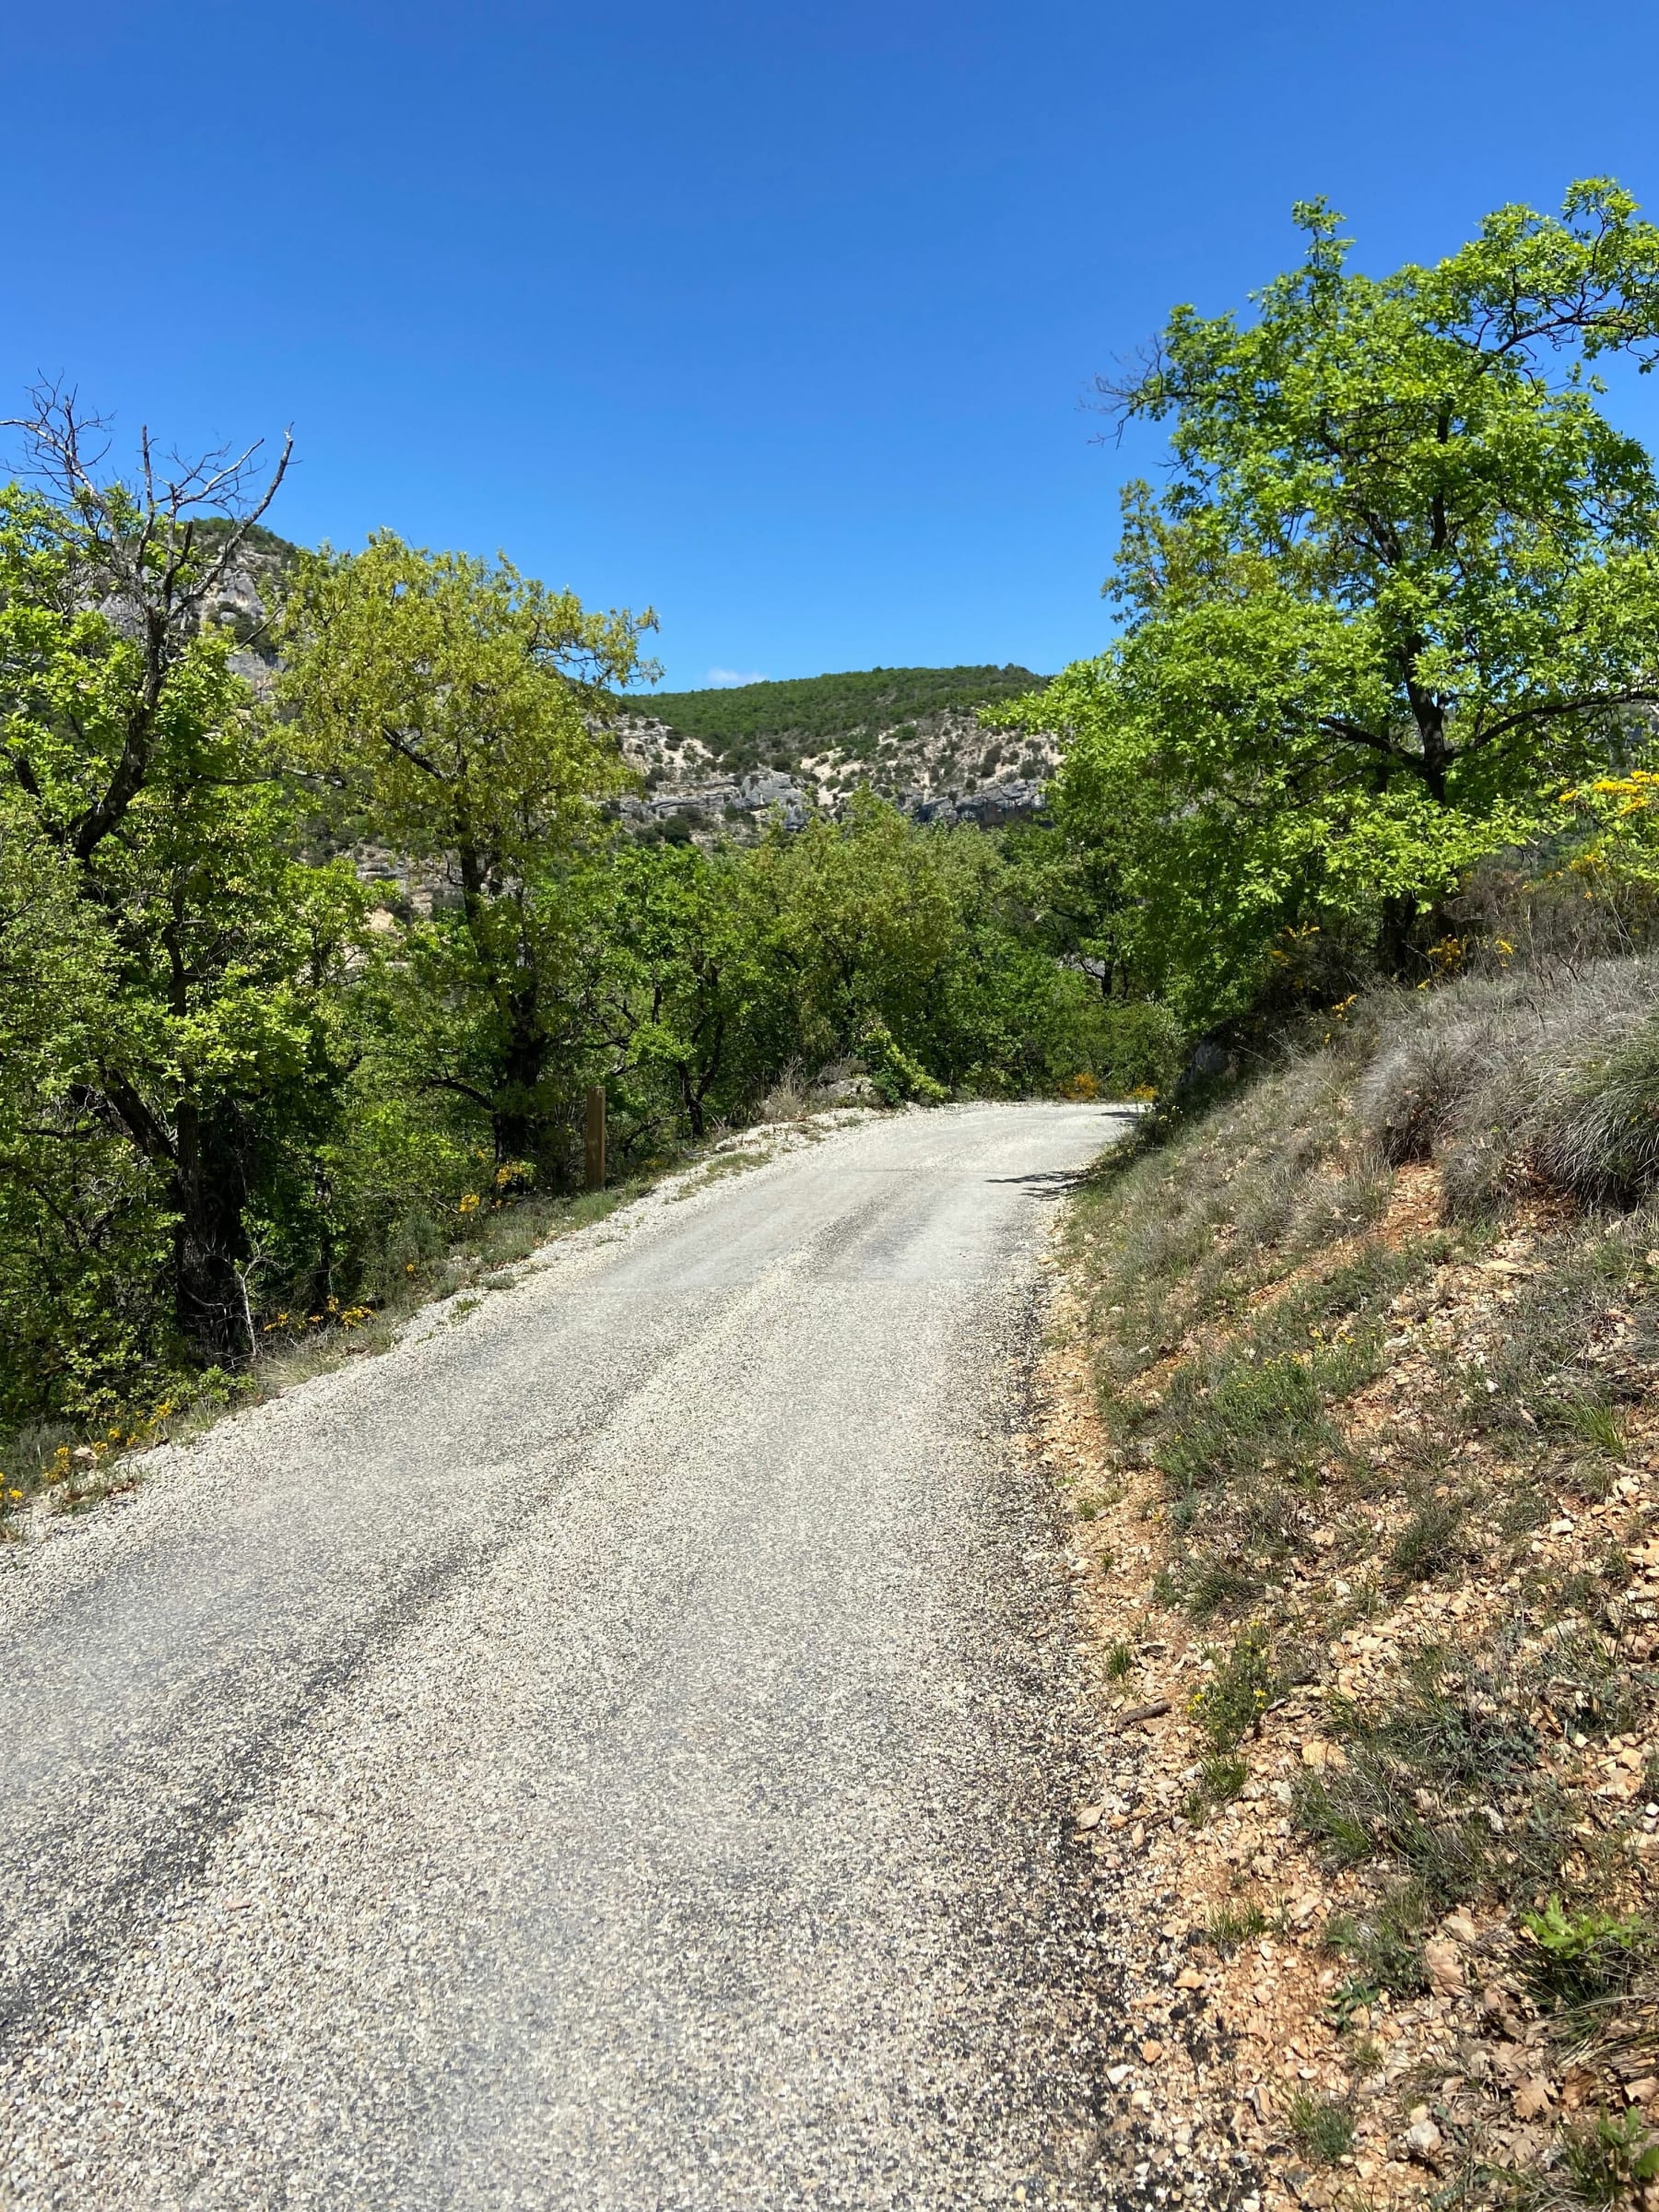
[(775, 317)]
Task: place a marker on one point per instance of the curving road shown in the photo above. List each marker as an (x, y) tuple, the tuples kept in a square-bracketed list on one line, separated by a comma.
[(612, 1751)]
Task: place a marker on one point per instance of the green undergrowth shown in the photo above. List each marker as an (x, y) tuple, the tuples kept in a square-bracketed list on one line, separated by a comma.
[(72, 1469), (1352, 1388)]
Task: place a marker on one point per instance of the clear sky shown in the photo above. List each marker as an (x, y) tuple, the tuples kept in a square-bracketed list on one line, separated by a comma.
[(777, 317)]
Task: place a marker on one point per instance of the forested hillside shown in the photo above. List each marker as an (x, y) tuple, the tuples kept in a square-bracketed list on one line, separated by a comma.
[(923, 738), (744, 724)]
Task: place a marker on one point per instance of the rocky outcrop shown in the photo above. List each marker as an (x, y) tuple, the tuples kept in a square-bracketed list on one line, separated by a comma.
[(1019, 799), (946, 768)]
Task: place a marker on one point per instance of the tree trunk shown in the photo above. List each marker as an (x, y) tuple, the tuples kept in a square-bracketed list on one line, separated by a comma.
[(1395, 932), (690, 1099), (208, 1240)]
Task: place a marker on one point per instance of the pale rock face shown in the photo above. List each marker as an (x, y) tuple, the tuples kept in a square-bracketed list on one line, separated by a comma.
[(926, 769)]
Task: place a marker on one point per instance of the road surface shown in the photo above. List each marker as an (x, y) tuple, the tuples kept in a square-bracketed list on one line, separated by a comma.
[(615, 1750)]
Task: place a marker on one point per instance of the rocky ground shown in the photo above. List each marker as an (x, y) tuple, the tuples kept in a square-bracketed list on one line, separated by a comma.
[(1394, 1826)]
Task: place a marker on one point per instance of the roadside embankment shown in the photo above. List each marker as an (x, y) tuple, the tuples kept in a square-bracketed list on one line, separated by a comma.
[(1353, 1402)]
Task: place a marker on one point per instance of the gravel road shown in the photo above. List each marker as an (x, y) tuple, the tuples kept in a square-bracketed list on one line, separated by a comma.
[(615, 1750)]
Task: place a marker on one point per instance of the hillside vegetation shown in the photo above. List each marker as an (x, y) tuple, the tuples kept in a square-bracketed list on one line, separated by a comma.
[(776, 724), (1374, 1346), (1359, 1405)]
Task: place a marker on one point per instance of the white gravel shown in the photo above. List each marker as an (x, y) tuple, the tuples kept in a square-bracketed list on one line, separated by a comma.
[(616, 1750)]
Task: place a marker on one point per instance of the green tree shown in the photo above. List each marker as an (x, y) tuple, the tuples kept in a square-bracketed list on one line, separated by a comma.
[(709, 1019), (459, 710), (169, 1093), (1400, 587)]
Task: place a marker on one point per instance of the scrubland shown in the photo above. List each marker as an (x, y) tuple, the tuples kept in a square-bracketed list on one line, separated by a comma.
[(1356, 1409)]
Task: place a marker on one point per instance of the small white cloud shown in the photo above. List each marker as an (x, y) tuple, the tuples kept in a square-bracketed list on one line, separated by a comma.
[(726, 678)]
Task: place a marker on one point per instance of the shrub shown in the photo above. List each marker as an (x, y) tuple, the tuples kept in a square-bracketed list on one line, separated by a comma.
[(1575, 1959)]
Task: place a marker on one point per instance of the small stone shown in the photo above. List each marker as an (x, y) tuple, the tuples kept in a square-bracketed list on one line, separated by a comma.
[(1089, 1816), (1445, 1968), (1422, 2138), (1117, 2075), (1152, 2052), (1320, 1755)]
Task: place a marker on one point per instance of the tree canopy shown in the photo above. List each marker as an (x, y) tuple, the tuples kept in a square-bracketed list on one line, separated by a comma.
[(1399, 588)]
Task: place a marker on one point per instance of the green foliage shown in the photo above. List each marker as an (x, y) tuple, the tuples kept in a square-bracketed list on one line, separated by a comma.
[(1323, 2126), (232, 1108), (1579, 1958), (1613, 2159), (1400, 589), (454, 702), (749, 723), (165, 1094), (1237, 1692), (1230, 1926)]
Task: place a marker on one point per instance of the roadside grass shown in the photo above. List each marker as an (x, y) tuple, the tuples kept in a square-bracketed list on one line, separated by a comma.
[(1357, 1392), (722, 1166)]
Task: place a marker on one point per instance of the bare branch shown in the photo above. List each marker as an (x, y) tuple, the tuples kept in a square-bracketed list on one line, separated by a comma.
[(116, 527)]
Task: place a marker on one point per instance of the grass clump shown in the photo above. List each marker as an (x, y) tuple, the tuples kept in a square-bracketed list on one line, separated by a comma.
[(1228, 1925), (1421, 1781), (1383, 1943), (1229, 1705), (1322, 2127), (1545, 1077), (1431, 1541)]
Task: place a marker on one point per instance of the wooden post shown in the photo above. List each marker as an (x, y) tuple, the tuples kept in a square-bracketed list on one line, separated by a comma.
[(592, 1148)]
